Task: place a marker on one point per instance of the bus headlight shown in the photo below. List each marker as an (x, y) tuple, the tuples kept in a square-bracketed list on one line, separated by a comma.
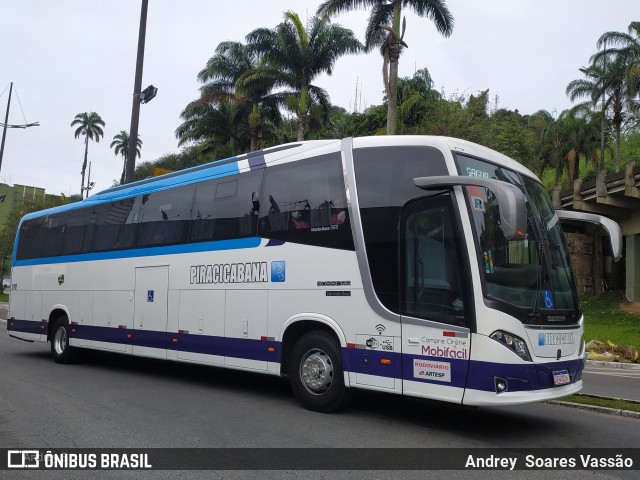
[(513, 343)]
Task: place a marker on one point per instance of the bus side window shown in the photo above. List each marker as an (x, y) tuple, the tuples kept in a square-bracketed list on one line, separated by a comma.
[(78, 231), (114, 225), (305, 202), (226, 208), (165, 217)]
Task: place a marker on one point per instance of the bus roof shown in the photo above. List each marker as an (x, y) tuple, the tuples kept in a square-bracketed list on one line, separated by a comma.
[(232, 165)]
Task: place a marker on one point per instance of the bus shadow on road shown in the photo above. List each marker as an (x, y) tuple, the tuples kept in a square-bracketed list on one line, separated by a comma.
[(501, 425)]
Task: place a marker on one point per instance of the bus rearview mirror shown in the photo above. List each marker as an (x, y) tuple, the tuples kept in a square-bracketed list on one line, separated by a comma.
[(611, 227), (513, 213)]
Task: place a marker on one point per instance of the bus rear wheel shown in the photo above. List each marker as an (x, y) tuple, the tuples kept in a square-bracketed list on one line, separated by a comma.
[(61, 351), (317, 377)]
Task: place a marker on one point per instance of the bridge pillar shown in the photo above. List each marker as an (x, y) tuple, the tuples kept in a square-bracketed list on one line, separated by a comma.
[(632, 256)]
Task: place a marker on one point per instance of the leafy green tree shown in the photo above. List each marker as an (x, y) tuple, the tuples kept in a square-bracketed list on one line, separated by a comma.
[(216, 127), (620, 59), (90, 126), (415, 99), (565, 140), (384, 30), (627, 46), (120, 145), (294, 56), (235, 64), (8, 234), (594, 86)]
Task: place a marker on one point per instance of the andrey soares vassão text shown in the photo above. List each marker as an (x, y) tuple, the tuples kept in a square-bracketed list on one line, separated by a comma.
[(582, 461)]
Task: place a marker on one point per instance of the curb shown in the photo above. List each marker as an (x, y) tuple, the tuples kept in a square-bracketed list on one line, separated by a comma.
[(599, 363), (595, 408)]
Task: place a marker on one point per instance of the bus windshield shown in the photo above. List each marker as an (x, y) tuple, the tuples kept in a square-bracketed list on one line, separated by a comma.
[(531, 277)]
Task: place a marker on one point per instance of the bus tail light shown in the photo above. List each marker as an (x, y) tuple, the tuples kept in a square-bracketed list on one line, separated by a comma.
[(513, 343), (385, 361)]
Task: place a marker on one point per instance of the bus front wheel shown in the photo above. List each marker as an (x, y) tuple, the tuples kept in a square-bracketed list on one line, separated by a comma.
[(317, 378), (61, 351)]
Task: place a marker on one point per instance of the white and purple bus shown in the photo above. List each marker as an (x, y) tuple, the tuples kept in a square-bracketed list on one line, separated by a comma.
[(425, 266)]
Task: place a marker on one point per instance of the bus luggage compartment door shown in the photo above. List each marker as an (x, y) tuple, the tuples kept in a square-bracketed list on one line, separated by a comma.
[(150, 311)]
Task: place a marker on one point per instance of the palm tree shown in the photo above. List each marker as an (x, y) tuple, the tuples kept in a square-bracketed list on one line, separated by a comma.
[(626, 46), (594, 87), (90, 125), (120, 145), (293, 56), (215, 127), (603, 84), (621, 61), (384, 31), (232, 62)]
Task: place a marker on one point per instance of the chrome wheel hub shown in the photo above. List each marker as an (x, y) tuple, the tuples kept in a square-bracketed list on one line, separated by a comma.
[(316, 371), (60, 341)]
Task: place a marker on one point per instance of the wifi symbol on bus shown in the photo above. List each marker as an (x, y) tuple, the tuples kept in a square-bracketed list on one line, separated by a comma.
[(380, 328)]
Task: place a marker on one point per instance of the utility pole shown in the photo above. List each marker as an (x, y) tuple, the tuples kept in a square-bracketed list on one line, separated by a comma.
[(135, 109), (6, 124)]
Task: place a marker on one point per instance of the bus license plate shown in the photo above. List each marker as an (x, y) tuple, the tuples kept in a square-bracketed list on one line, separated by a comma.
[(561, 377)]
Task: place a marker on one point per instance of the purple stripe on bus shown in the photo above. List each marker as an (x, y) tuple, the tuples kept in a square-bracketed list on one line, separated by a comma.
[(480, 376), (368, 362), (257, 162), (530, 376), (27, 326), (274, 243)]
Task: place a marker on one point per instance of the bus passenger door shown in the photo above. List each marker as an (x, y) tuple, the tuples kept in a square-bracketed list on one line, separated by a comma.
[(435, 328), (150, 311)]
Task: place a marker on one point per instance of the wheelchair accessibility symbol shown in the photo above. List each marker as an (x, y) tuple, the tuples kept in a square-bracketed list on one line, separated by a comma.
[(548, 298)]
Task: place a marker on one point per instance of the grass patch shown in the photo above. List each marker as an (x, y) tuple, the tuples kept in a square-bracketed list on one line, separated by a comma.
[(603, 402), (604, 320), (4, 297)]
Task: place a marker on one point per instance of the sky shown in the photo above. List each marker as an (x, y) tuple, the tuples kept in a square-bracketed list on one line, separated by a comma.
[(71, 56)]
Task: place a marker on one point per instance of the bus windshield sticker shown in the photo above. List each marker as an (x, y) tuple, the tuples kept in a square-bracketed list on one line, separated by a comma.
[(548, 298)]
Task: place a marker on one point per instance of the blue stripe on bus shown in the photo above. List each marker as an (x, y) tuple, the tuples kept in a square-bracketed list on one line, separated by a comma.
[(251, 242), (100, 198), (481, 375)]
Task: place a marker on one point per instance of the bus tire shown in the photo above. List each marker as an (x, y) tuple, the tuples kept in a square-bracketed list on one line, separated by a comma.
[(61, 351), (317, 377)]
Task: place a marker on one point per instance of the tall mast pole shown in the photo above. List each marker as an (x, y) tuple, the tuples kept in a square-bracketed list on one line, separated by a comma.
[(6, 123), (137, 86)]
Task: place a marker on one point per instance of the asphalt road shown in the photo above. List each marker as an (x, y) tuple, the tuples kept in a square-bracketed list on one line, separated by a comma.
[(107, 400), (612, 382)]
